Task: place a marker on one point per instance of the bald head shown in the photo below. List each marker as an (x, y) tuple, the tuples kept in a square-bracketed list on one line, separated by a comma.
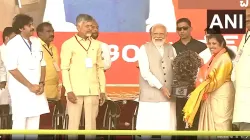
[(158, 34)]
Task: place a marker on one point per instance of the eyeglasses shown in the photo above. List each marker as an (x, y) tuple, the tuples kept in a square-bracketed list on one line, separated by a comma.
[(180, 28)]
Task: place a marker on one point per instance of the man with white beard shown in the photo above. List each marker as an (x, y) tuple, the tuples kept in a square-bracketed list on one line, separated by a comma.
[(156, 106)]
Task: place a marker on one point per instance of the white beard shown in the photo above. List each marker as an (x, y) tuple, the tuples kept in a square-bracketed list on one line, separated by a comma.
[(88, 34), (158, 43)]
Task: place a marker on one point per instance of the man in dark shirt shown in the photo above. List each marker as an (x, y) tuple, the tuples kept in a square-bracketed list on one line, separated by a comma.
[(185, 43)]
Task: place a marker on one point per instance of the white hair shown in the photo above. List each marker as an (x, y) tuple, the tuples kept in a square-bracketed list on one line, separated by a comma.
[(83, 18), (157, 43), (158, 25)]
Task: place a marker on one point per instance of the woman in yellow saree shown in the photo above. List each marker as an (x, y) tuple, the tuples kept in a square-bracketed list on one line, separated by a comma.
[(216, 92)]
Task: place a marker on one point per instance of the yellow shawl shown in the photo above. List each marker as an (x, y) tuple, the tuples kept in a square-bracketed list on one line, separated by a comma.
[(218, 72)]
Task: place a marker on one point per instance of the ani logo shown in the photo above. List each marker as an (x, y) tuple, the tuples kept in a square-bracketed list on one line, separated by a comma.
[(229, 21)]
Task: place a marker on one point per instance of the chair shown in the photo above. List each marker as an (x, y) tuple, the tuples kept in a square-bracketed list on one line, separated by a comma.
[(5, 119), (106, 116), (126, 115), (59, 116)]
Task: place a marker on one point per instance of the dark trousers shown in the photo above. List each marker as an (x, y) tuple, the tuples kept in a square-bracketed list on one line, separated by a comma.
[(180, 103)]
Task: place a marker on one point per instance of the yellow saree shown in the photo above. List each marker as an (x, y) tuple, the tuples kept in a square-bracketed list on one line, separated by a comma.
[(218, 72)]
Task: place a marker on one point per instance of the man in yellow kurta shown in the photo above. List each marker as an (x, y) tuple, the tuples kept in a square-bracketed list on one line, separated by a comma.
[(105, 48), (83, 75), (45, 32)]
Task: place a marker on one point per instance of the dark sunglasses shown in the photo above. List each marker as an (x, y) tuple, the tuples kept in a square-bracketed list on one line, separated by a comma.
[(180, 28)]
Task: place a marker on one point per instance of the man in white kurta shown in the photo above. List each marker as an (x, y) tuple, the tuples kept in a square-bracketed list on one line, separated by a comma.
[(156, 106), (8, 33), (4, 97), (105, 48), (241, 116), (24, 61)]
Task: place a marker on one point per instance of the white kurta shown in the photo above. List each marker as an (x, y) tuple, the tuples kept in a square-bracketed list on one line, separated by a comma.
[(4, 94), (154, 116), (18, 56), (242, 76), (3, 52), (106, 55), (4, 97)]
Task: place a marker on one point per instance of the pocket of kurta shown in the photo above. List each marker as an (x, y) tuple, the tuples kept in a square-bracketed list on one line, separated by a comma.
[(37, 55)]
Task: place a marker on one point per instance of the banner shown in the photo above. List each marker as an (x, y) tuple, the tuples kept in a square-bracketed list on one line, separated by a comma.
[(124, 48), (123, 25)]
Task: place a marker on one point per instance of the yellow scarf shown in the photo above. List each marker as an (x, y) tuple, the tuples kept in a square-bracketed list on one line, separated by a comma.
[(191, 107)]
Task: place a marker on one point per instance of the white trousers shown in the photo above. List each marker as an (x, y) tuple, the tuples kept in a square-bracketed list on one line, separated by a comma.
[(29, 123), (156, 116)]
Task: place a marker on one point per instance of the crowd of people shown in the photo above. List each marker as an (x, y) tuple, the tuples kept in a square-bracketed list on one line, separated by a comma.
[(30, 74)]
